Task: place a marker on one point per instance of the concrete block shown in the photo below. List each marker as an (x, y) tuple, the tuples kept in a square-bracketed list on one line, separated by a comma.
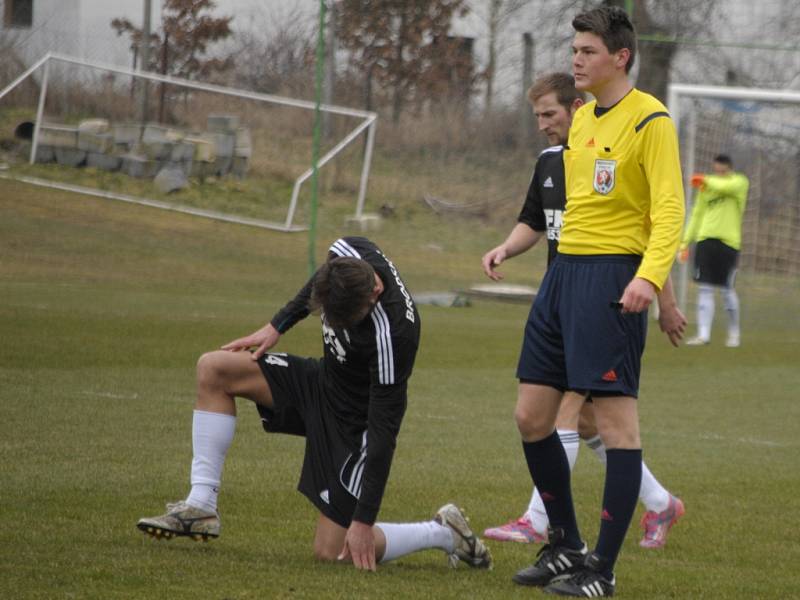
[(171, 179), (222, 165), (182, 151), (44, 154), (239, 166), (244, 144), (139, 166), (224, 144), (222, 123), (94, 126), (203, 149), (126, 134), (70, 157), (58, 136), (95, 142), (101, 160)]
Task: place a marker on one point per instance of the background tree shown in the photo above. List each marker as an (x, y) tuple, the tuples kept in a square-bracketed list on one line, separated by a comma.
[(400, 45), (179, 45), (496, 14)]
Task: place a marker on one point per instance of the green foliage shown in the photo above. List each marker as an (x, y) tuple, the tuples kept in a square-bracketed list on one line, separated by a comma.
[(105, 307)]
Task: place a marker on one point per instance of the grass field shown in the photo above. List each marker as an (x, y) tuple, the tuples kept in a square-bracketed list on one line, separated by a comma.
[(104, 308)]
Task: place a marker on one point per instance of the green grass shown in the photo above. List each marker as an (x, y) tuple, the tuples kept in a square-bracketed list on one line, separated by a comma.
[(105, 307)]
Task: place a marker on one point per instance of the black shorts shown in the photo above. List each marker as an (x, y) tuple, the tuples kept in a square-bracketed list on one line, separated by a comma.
[(715, 263), (334, 459)]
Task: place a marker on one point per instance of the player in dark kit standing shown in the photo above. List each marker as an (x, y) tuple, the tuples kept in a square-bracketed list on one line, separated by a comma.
[(349, 405)]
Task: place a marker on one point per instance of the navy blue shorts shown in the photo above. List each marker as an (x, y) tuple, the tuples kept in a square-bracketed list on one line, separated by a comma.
[(574, 338)]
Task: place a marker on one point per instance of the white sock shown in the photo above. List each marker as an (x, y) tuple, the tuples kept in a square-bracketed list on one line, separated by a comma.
[(405, 538), (536, 513), (212, 434), (731, 300), (597, 446), (652, 493), (705, 311)]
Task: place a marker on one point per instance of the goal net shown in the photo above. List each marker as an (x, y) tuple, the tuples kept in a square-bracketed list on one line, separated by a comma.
[(183, 145), (759, 129)]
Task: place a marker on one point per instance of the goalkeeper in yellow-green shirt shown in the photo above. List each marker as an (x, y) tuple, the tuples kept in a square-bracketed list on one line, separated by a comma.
[(716, 227)]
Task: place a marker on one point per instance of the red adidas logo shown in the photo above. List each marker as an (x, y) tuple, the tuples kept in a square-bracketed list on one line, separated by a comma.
[(590, 143), (606, 516), (610, 375)]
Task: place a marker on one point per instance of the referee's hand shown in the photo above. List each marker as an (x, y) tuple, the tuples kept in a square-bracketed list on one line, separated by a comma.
[(638, 296)]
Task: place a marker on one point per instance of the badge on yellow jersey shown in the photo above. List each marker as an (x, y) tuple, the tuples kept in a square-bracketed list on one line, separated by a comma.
[(604, 175)]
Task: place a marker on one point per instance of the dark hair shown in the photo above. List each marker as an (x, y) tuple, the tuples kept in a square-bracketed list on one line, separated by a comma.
[(342, 288), (613, 26), (563, 84), (724, 159)]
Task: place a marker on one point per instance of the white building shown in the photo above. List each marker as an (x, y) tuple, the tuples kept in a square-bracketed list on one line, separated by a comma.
[(81, 28)]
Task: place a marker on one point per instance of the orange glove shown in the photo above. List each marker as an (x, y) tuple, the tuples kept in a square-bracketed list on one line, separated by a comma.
[(683, 255), (698, 180)]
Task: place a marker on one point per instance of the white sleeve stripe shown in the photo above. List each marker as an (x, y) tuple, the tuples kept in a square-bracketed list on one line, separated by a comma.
[(342, 248), (383, 340)]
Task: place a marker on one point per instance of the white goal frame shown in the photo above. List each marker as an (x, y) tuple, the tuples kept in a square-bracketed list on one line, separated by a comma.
[(676, 91), (368, 123)]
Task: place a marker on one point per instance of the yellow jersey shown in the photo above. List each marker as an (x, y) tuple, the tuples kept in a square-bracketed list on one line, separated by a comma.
[(624, 185)]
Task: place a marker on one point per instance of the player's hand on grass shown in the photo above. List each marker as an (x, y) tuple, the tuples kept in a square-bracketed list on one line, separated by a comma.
[(672, 322), (638, 296), (359, 546), (493, 259), (262, 340)]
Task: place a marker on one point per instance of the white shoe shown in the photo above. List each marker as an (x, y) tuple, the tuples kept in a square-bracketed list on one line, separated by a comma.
[(468, 547), (697, 341), (733, 340)]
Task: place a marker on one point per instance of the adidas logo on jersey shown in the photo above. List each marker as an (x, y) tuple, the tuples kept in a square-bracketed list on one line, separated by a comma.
[(548, 183), (326, 497)]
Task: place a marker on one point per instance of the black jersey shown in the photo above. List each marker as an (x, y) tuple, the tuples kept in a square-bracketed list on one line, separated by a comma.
[(366, 368), (546, 198)]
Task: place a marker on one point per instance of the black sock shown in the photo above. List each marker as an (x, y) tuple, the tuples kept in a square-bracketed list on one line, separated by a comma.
[(623, 480), (549, 468)]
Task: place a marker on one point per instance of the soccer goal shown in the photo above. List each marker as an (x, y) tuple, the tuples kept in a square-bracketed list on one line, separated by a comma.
[(760, 130), (233, 154)]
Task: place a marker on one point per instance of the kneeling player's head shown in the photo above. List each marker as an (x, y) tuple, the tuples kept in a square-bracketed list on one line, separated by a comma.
[(345, 289)]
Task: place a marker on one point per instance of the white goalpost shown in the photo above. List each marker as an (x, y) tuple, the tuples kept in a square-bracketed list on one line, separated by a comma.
[(366, 125), (760, 130)]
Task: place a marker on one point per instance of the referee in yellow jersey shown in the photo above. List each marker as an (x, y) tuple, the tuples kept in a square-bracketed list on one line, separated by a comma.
[(587, 327)]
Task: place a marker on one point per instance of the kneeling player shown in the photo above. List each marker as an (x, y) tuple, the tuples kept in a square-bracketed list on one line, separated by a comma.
[(348, 404)]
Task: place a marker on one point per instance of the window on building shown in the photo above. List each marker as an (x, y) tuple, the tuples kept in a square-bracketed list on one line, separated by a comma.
[(18, 13)]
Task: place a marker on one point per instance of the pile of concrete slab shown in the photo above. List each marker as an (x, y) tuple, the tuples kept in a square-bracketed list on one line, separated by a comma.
[(167, 154)]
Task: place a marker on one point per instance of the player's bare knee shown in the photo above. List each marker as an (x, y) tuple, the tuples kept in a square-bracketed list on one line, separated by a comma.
[(531, 425), (210, 371)]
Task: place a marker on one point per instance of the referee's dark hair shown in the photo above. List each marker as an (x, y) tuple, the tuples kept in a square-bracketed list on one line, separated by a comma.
[(342, 289), (613, 26)]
